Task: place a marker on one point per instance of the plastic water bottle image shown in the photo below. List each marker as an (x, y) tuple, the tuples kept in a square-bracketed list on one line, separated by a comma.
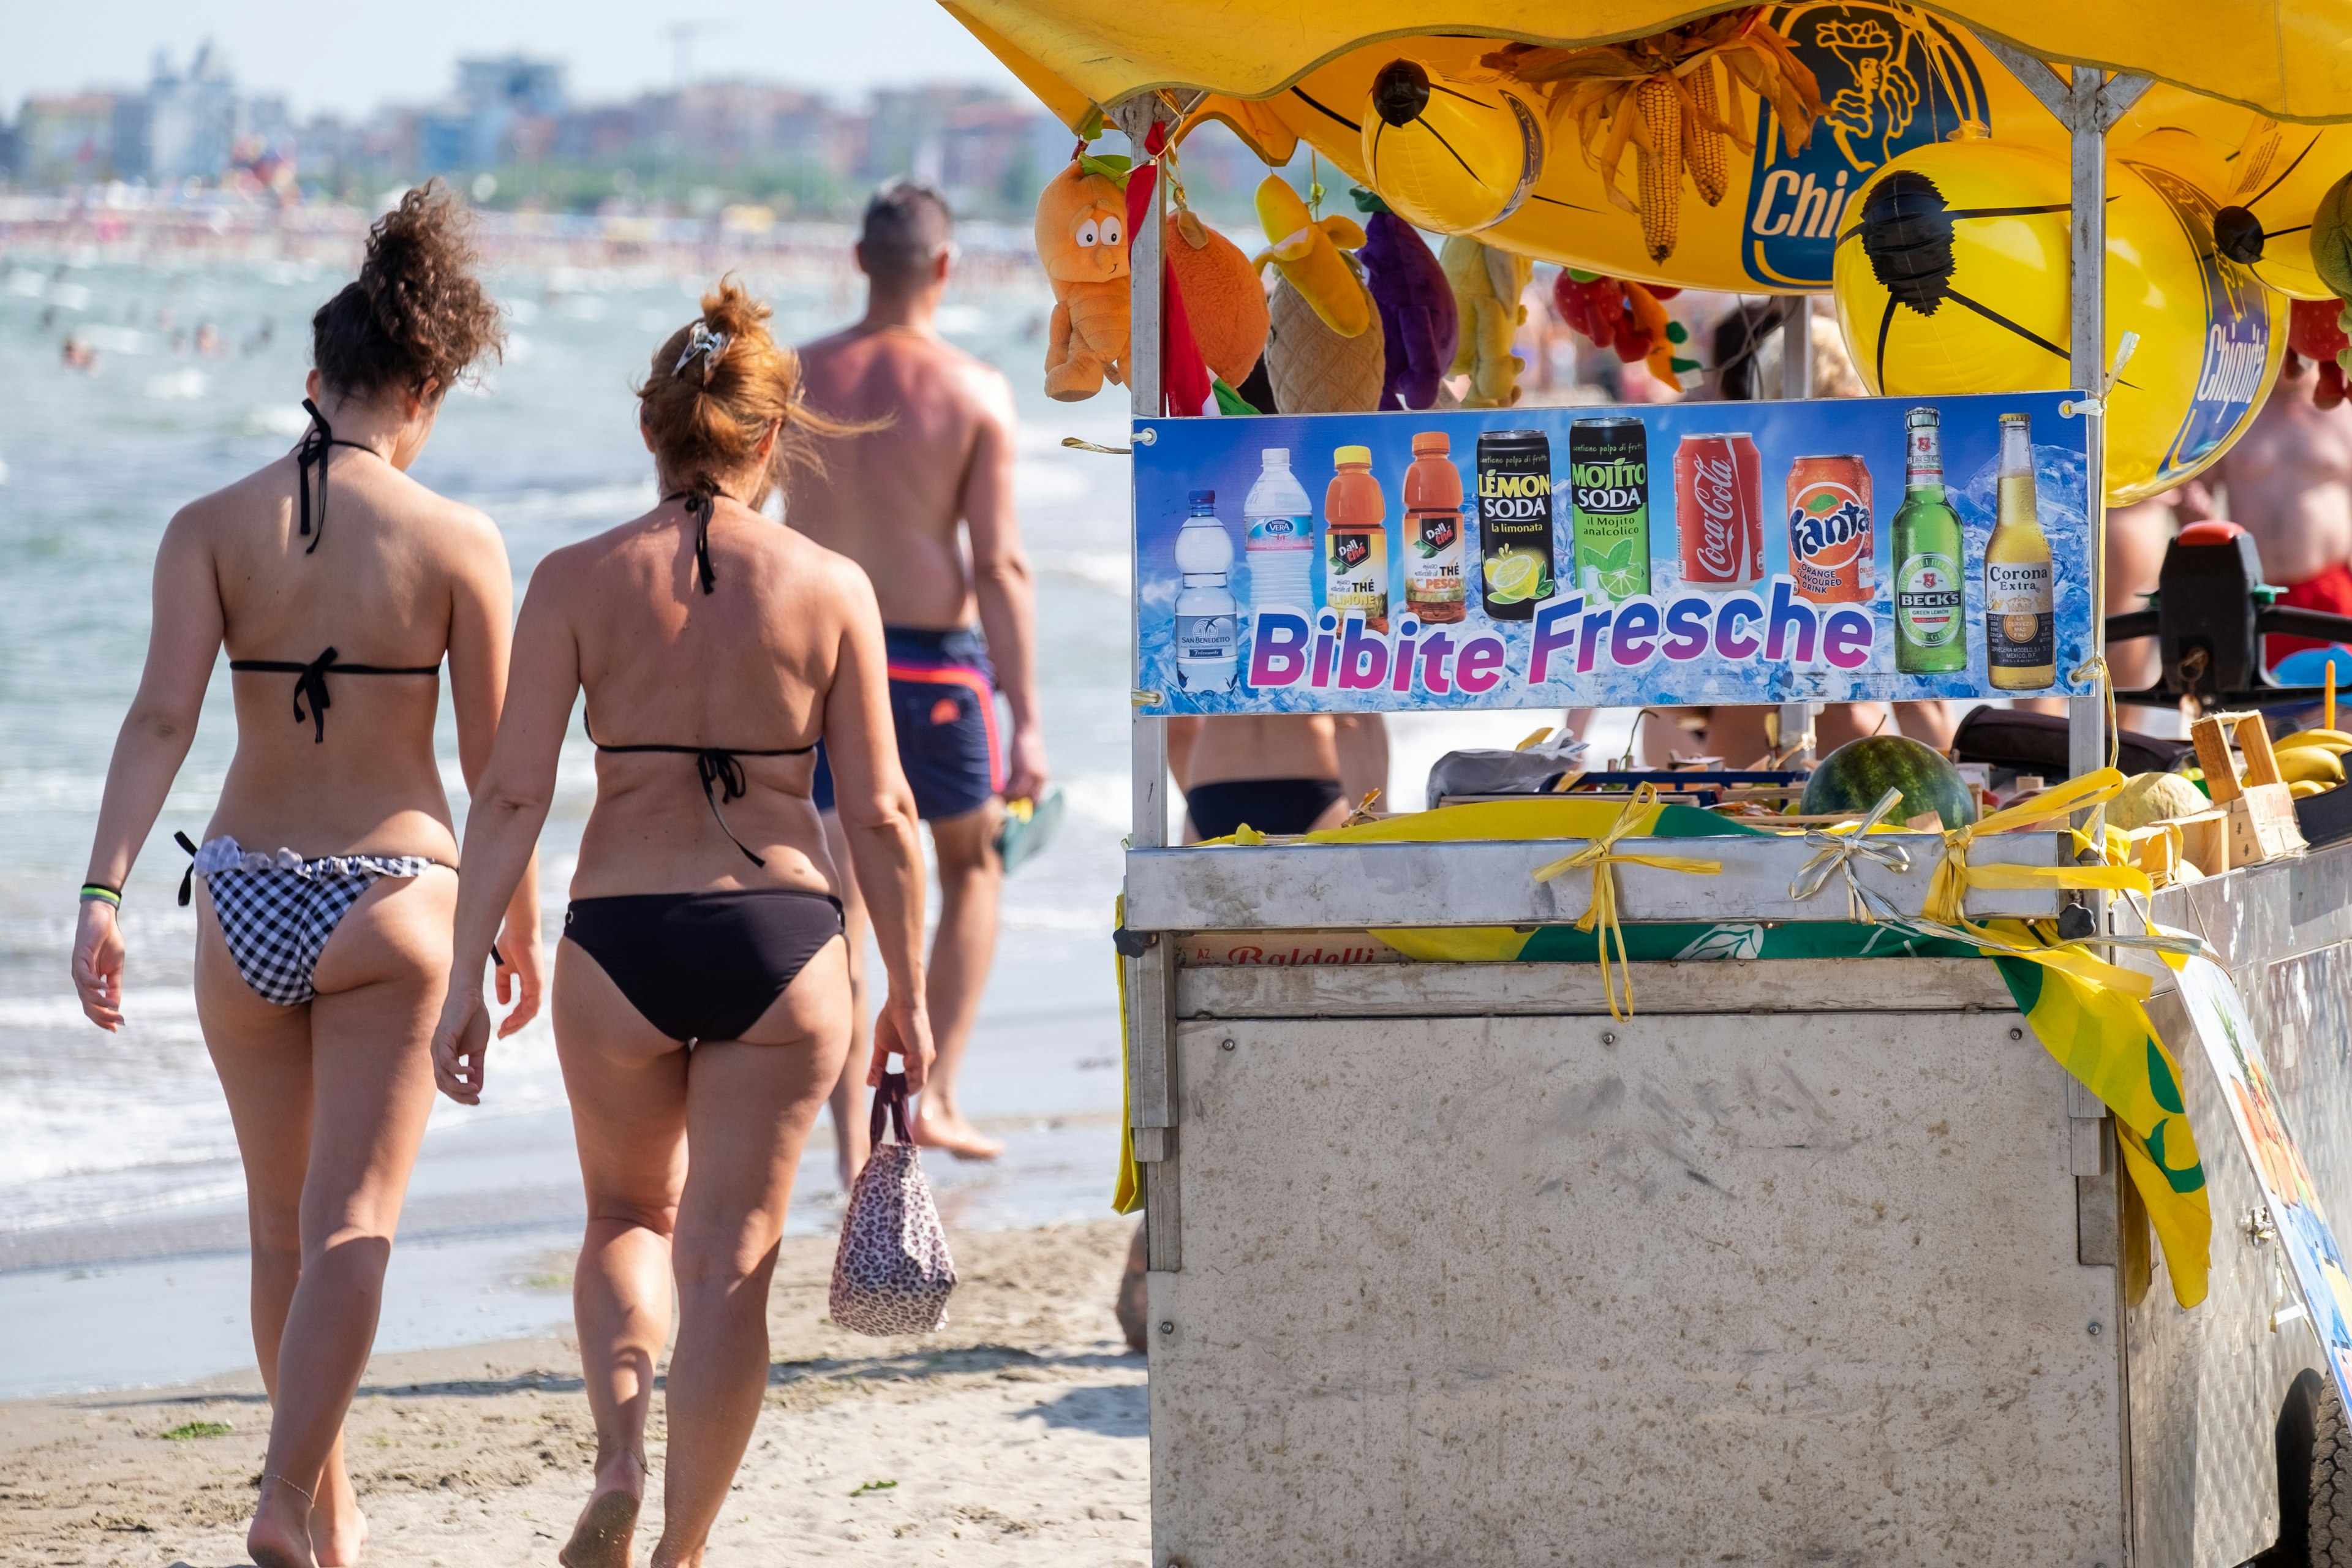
[(1208, 634), (1280, 548)]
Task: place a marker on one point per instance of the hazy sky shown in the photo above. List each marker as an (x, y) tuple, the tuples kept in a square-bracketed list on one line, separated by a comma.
[(351, 58)]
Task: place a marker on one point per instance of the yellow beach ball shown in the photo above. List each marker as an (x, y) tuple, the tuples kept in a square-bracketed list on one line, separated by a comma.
[(1951, 278), (1446, 154)]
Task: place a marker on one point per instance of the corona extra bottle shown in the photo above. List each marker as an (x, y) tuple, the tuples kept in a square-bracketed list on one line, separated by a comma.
[(2021, 644)]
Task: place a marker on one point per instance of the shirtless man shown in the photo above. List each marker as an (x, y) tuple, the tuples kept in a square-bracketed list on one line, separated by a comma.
[(2289, 481), (901, 501), (1279, 772)]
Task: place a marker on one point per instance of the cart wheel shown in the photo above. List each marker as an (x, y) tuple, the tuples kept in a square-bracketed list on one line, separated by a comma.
[(2328, 1528), (2314, 1472)]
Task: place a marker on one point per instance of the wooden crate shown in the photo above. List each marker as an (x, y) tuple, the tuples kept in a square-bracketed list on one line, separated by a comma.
[(2261, 810)]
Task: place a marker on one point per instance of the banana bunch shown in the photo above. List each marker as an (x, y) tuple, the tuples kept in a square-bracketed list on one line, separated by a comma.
[(1658, 95), (2312, 761)]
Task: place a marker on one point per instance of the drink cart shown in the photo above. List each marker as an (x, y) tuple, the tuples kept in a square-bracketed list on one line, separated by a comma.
[(1789, 1240)]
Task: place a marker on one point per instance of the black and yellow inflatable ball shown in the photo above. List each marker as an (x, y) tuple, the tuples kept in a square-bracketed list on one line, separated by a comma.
[(1952, 275), (1448, 154)]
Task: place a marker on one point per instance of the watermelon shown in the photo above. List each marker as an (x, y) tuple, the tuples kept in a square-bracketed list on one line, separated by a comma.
[(1853, 777)]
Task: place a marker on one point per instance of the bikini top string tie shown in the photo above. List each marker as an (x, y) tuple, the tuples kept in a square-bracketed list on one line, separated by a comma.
[(310, 683), (724, 770), (701, 499), (313, 454)]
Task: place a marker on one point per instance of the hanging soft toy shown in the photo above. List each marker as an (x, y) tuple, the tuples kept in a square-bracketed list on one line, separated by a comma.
[(1419, 325), (1627, 318), (1222, 292), (1487, 284), (1314, 370), (1307, 249), (2316, 330), (1082, 240)]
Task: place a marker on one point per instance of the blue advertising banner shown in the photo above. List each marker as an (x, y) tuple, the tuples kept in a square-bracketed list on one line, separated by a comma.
[(1678, 554)]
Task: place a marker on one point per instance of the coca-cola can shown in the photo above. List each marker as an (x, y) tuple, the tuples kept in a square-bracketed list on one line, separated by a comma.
[(1719, 511)]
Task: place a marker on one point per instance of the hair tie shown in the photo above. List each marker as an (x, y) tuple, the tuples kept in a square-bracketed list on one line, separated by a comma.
[(710, 345)]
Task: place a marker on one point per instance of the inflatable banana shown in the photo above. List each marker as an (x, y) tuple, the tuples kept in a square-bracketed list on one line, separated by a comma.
[(1888, 77), (1307, 252), (2269, 180), (1951, 278), (1446, 157)]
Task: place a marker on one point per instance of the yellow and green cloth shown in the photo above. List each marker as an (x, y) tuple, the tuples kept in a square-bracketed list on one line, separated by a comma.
[(2086, 1011)]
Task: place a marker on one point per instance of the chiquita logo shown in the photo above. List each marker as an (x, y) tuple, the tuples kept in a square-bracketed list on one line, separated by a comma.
[(1892, 79), (2238, 329)]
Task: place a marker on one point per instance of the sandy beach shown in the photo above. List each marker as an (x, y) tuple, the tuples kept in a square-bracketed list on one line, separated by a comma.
[(1017, 1434)]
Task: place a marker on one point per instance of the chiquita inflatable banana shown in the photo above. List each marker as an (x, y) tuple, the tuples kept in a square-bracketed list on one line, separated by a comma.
[(1952, 270)]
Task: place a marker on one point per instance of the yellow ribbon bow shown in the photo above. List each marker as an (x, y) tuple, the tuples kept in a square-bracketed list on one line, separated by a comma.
[(1840, 847), (1955, 875), (1601, 855)]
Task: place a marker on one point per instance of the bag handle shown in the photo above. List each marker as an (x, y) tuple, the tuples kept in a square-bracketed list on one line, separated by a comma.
[(891, 1098)]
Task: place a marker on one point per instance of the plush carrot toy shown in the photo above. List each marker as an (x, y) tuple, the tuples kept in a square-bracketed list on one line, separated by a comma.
[(1082, 240)]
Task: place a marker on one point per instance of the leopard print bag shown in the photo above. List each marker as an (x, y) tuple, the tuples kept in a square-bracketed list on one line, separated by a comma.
[(892, 1274)]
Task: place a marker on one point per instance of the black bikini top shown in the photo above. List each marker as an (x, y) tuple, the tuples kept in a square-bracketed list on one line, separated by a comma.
[(310, 680), (720, 772)]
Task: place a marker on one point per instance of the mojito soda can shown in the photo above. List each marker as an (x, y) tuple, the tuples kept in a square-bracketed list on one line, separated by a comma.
[(1608, 497), (1514, 522)]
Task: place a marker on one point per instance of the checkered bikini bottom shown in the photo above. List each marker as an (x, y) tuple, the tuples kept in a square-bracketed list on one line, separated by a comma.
[(277, 911)]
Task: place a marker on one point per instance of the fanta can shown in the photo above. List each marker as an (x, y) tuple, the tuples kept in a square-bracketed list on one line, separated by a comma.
[(1828, 529)]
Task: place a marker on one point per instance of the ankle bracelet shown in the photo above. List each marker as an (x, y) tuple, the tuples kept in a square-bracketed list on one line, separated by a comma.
[(284, 1481)]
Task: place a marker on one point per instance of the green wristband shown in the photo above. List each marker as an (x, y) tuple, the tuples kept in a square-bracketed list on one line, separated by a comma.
[(102, 893)]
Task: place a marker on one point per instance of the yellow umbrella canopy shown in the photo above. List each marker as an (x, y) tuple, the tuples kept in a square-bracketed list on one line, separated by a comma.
[(1761, 212), (2286, 59)]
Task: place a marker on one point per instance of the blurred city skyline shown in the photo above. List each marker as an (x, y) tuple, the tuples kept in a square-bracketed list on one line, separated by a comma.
[(351, 61)]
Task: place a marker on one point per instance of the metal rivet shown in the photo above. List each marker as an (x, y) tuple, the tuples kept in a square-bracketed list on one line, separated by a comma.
[(2095, 1327), (1607, 1036), (2016, 1034), (1224, 1045), (1167, 1326)]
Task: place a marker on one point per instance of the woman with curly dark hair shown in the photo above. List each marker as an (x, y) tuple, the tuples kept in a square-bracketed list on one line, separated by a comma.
[(701, 1002), (328, 873)]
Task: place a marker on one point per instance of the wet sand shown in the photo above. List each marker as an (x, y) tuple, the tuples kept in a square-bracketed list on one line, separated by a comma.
[(1017, 1434)]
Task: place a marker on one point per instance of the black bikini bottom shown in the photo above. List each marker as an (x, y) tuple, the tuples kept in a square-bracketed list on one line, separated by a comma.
[(1270, 805), (704, 966)]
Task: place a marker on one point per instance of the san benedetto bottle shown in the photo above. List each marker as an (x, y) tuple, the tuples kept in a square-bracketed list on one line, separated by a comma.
[(2021, 644), (1931, 613)]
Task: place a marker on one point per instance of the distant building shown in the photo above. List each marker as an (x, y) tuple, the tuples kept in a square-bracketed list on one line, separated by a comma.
[(504, 112), (66, 139), (190, 120)]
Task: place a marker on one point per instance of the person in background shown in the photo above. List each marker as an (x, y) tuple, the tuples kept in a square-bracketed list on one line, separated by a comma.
[(2289, 483), (1277, 772), (328, 874), (923, 499), (702, 1001)]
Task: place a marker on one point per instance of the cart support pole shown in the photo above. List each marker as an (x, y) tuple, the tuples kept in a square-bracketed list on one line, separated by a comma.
[(1796, 384), (1151, 1059), (2087, 105)]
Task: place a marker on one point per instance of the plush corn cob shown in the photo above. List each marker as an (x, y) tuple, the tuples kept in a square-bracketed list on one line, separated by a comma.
[(1661, 164), (1702, 141)]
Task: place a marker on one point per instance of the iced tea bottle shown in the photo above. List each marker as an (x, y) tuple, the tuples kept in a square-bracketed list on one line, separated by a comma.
[(1356, 540), (1433, 533)]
